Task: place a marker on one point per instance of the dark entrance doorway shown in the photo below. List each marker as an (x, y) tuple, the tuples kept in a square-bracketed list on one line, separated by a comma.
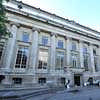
[(77, 80)]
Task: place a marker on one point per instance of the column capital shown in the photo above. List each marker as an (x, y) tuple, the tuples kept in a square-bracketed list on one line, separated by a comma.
[(35, 29), (53, 34), (68, 38), (16, 24)]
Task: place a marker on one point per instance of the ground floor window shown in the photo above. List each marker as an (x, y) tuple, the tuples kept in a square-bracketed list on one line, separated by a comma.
[(1, 50), (17, 80), (43, 59), (22, 57), (75, 60), (42, 81), (59, 60), (86, 61), (96, 63)]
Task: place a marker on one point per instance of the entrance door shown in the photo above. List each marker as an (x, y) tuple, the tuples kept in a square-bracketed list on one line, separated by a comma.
[(77, 80)]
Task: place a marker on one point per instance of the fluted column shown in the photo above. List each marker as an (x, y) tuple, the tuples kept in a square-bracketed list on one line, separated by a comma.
[(34, 49), (91, 58), (53, 52), (81, 54), (11, 46)]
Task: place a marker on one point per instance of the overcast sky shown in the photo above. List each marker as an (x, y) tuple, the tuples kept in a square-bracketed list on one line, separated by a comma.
[(85, 12)]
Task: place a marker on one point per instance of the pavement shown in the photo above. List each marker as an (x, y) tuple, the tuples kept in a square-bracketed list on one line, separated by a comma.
[(76, 93), (23, 93)]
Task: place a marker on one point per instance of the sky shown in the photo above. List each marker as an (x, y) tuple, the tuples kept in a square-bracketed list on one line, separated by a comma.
[(85, 12)]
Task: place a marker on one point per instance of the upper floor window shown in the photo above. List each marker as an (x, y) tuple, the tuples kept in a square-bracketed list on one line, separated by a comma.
[(43, 59), (22, 57), (60, 44), (44, 40), (85, 50), (25, 37), (74, 46)]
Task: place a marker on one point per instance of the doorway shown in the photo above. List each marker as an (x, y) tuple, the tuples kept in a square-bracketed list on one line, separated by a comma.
[(77, 80)]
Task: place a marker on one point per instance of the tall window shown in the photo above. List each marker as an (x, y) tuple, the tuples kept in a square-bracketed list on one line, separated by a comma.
[(25, 37), (74, 60), (22, 57), (1, 50), (95, 59), (43, 59), (86, 58), (59, 60), (74, 46), (44, 40), (60, 44)]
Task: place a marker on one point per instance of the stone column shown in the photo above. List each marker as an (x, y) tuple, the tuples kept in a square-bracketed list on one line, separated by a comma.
[(91, 58), (34, 49), (53, 52), (81, 54), (68, 48), (11, 46)]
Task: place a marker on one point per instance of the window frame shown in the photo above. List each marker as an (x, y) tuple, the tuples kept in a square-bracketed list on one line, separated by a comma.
[(60, 44), (59, 56), (44, 40), (21, 46), (17, 82), (24, 39), (46, 57)]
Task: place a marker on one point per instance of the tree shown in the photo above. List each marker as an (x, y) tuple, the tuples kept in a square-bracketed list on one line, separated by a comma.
[(3, 19)]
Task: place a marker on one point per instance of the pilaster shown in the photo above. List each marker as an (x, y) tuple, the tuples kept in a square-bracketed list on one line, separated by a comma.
[(91, 58), (53, 52), (81, 54), (68, 48)]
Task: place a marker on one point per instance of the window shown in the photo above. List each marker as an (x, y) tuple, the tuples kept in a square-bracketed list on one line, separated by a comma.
[(25, 37), (94, 52), (43, 59), (74, 46), (1, 50), (60, 60), (60, 44), (85, 50), (44, 40), (17, 80), (74, 61), (22, 57), (86, 58), (42, 81)]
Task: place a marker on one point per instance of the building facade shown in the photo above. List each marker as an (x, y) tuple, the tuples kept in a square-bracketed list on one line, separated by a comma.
[(45, 48)]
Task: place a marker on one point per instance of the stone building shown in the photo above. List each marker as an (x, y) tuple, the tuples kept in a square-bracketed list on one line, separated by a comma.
[(45, 48)]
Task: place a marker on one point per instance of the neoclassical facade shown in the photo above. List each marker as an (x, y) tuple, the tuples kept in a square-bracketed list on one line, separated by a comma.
[(46, 49)]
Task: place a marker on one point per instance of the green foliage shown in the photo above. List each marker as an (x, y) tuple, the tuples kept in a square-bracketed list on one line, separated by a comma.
[(3, 28)]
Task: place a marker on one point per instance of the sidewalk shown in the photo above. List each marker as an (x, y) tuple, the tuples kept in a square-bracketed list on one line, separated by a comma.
[(17, 94)]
